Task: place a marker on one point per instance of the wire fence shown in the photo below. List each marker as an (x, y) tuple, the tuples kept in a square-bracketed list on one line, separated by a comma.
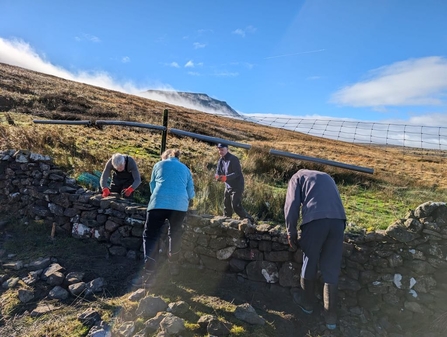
[(208, 139), (360, 132)]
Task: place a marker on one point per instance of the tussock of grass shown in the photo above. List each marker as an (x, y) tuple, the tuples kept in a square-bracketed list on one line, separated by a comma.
[(10, 303)]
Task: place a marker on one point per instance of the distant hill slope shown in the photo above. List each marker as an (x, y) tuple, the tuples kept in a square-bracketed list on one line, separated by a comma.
[(191, 100)]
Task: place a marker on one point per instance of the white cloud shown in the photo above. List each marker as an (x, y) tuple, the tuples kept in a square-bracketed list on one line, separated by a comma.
[(193, 73), (19, 53), (198, 45), (239, 32), (243, 64), (189, 64), (173, 97), (204, 31), (432, 119), (420, 81), (88, 37), (249, 65), (226, 74), (174, 65), (243, 32), (125, 59)]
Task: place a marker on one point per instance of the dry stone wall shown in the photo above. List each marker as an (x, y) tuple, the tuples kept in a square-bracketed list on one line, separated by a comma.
[(395, 274)]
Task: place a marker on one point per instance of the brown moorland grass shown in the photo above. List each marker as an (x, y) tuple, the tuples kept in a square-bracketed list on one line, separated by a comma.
[(403, 177), (44, 96)]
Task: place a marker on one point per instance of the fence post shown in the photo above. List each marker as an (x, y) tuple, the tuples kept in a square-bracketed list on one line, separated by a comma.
[(165, 131)]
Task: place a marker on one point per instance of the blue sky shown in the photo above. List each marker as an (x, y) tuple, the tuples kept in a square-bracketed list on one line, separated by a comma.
[(356, 60)]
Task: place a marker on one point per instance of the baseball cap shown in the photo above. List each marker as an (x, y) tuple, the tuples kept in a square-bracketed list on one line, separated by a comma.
[(220, 145)]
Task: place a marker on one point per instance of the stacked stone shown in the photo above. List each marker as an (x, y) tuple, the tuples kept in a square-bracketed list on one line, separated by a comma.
[(114, 221), (32, 187), (398, 273), (258, 253)]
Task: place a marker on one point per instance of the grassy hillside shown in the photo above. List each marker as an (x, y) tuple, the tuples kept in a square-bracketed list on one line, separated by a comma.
[(402, 179)]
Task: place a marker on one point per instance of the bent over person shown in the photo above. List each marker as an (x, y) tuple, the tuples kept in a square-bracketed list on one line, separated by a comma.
[(323, 222), (125, 176), (229, 171), (172, 189)]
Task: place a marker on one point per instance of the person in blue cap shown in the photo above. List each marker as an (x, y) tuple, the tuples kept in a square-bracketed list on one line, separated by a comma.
[(229, 172)]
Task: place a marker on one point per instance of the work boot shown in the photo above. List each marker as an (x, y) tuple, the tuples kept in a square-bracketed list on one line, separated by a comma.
[(305, 298), (150, 265), (330, 305), (147, 275), (145, 280)]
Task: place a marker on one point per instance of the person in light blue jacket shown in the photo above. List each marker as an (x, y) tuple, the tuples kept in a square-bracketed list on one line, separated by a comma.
[(172, 189)]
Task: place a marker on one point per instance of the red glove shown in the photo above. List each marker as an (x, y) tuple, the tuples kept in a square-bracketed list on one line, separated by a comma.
[(105, 192), (223, 178), (216, 176), (128, 191)]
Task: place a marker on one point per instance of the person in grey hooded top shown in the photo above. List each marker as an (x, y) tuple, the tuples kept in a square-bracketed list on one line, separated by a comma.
[(323, 217)]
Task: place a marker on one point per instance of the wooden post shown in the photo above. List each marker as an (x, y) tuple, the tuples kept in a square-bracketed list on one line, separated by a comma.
[(165, 132), (53, 230)]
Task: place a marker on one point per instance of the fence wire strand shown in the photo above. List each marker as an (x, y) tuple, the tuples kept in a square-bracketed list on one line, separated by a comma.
[(359, 132)]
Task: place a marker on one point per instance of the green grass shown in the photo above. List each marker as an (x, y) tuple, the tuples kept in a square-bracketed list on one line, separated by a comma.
[(373, 207), (379, 206)]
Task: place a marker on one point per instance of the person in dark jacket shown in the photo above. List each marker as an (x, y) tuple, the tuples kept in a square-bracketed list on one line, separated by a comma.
[(125, 176), (322, 230), (229, 171)]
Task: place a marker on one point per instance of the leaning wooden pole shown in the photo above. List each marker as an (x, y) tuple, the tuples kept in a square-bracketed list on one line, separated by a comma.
[(322, 161)]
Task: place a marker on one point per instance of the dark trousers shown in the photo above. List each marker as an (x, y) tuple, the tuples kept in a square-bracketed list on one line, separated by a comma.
[(155, 219), (322, 244), (233, 202)]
